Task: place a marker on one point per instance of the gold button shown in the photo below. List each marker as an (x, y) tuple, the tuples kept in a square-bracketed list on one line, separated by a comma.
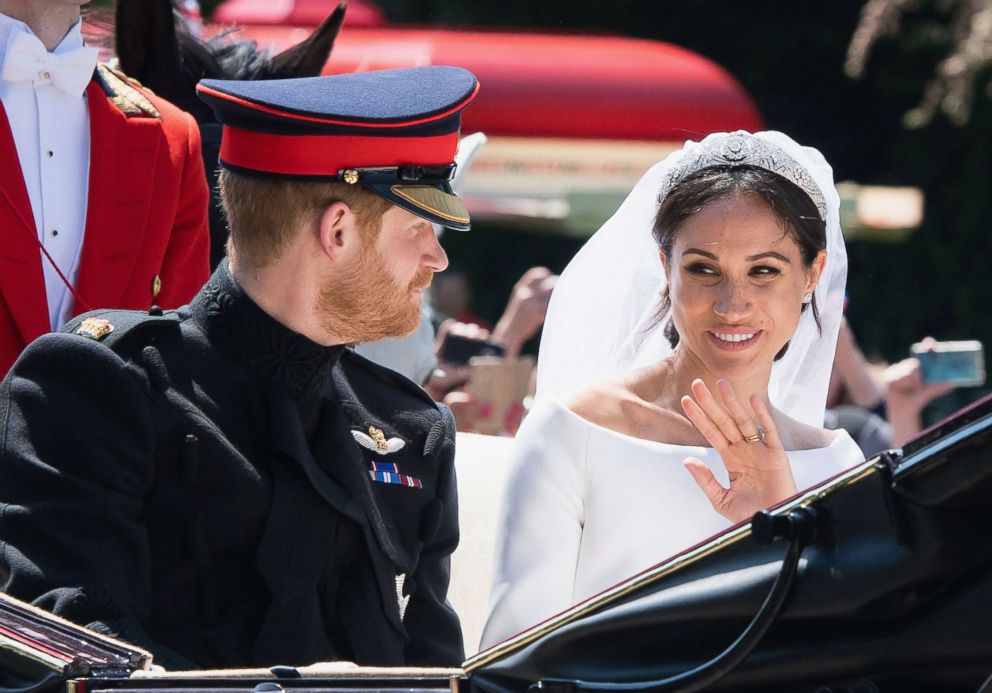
[(351, 176), (156, 286), (46, 75)]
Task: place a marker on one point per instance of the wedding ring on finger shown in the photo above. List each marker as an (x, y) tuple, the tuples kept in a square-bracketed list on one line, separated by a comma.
[(758, 437)]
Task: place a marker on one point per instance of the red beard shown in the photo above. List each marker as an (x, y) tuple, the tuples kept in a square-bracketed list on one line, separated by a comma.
[(365, 304)]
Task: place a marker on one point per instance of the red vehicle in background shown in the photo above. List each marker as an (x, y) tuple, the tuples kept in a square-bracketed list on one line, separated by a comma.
[(572, 120)]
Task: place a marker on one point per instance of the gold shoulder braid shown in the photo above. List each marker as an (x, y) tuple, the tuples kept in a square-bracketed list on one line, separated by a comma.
[(126, 97)]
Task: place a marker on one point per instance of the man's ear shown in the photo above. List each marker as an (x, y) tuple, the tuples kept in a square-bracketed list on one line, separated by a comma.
[(337, 232)]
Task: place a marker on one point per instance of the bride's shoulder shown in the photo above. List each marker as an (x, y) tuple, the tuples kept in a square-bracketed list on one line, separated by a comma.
[(598, 404), (613, 404), (796, 435)]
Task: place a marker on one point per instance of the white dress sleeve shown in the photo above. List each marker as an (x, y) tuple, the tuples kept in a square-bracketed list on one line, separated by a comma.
[(541, 518)]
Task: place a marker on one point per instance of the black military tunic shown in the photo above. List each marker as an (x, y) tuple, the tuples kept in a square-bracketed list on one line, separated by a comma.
[(210, 485)]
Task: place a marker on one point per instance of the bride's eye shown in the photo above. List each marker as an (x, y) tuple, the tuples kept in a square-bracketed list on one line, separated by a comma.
[(765, 271), (701, 270)]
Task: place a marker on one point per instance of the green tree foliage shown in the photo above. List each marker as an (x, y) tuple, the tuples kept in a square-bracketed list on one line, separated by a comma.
[(963, 25)]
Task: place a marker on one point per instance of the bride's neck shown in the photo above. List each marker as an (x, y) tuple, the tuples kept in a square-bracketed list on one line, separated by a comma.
[(682, 367)]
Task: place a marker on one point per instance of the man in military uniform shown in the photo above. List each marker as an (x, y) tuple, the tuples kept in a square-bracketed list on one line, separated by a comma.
[(229, 484)]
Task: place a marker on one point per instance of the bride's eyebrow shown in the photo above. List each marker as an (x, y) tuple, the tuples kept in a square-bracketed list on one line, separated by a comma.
[(770, 253), (697, 251), (749, 258)]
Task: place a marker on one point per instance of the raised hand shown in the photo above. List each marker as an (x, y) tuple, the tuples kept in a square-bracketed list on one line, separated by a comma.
[(526, 309), (756, 463), (905, 397)]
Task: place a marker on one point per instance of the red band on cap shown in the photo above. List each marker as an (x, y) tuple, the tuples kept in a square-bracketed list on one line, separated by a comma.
[(326, 155)]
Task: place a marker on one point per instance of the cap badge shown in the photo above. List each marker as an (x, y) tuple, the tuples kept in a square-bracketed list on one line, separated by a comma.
[(350, 176), (94, 328), (376, 441)]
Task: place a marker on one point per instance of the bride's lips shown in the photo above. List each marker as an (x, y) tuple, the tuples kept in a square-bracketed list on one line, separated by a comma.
[(734, 338)]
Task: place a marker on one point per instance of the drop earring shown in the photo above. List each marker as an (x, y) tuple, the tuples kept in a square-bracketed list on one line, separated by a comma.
[(808, 298)]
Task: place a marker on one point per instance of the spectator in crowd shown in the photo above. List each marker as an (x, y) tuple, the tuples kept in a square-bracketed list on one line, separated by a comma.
[(104, 200), (525, 310), (881, 407), (451, 299), (521, 320), (856, 397), (906, 395)]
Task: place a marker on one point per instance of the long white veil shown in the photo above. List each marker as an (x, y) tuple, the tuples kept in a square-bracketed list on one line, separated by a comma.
[(610, 293)]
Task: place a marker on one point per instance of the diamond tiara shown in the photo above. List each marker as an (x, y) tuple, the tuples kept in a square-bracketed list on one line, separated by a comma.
[(741, 148)]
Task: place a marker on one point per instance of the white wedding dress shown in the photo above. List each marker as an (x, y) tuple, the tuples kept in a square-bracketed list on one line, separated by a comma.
[(586, 507)]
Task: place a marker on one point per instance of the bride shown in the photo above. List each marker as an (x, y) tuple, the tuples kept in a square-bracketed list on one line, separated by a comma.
[(682, 374)]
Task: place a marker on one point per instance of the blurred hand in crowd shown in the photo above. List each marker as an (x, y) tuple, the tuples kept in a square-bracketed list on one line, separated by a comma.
[(488, 394), (851, 380), (471, 402), (447, 383), (526, 309), (907, 395)]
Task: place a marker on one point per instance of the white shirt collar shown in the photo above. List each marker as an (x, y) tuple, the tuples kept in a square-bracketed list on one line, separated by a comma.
[(8, 25)]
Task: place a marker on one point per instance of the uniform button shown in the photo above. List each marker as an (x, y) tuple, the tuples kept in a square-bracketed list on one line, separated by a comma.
[(50, 153), (46, 75), (55, 232)]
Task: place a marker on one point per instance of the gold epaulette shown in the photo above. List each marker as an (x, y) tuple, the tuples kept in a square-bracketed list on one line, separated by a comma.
[(122, 91)]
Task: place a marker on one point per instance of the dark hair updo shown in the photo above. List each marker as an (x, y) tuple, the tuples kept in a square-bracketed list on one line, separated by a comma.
[(787, 201)]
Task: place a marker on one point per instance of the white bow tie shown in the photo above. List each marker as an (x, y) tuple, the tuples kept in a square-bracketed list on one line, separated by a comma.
[(28, 59)]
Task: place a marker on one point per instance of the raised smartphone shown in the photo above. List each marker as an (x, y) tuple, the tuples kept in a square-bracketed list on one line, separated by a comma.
[(959, 363), (458, 349)]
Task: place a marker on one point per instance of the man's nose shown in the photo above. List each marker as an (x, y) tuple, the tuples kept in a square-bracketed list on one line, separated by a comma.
[(435, 258)]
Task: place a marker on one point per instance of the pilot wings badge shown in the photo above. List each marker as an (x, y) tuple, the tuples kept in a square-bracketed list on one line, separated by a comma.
[(376, 441)]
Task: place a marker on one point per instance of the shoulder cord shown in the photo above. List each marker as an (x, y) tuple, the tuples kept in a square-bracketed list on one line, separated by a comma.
[(80, 302)]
